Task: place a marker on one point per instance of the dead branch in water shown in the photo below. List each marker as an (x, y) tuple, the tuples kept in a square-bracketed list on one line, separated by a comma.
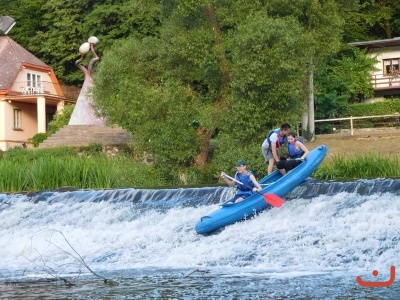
[(3, 202), (196, 270), (44, 259)]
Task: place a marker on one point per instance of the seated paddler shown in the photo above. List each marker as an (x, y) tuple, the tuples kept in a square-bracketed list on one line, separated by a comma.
[(244, 180), (297, 152)]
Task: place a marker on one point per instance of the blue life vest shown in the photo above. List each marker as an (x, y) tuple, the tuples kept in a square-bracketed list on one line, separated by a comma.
[(247, 186), (280, 141), (293, 150)]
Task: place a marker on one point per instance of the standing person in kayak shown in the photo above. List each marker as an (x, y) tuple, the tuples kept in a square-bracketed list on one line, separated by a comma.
[(248, 183), (270, 147)]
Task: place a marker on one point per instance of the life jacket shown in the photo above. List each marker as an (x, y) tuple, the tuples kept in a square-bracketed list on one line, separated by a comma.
[(247, 186), (293, 150), (280, 141)]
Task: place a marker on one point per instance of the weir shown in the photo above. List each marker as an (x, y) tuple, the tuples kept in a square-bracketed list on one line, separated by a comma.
[(207, 195), (312, 247), (323, 226)]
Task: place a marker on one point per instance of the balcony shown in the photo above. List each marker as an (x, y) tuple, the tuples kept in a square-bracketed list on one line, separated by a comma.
[(25, 88), (386, 81)]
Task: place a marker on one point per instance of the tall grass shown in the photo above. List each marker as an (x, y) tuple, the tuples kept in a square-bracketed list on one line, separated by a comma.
[(34, 170), (357, 167)]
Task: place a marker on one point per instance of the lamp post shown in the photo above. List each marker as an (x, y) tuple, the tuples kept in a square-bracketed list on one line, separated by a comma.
[(6, 23), (84, 113)]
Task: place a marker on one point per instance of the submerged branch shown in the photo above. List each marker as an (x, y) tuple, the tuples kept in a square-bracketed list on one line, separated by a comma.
[(196, 270), (52, 269)]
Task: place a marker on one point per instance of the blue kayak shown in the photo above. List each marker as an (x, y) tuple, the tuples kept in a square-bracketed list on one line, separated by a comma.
[(274, 183)]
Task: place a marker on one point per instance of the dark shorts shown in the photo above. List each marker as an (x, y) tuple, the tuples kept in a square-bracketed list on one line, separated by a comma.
[(288, 165), (237, 196)]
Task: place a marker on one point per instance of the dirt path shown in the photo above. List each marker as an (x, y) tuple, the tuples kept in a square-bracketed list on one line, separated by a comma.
[(379, 141)]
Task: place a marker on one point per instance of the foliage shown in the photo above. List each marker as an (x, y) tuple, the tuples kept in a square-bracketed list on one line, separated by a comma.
[(268, 73), (345, 77), (385, 107), (92, 149), (55, 29), (56, 124), (181, 74), (26, 27), (371, 166), (38, 138), (372, 20), (323, 22), (61, 119), (175, 91), (33, 170)]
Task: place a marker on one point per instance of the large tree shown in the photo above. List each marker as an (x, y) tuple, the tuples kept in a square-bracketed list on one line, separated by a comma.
[(323, 21), (209, 71)]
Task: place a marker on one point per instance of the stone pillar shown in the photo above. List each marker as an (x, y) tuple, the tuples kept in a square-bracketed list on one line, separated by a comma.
[(60, 107), (41, 114)]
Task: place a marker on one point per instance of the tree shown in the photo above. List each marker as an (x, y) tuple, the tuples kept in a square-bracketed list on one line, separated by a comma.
[(209, 71), (322, 20), (25, 27), (343, 80), (174, 83)]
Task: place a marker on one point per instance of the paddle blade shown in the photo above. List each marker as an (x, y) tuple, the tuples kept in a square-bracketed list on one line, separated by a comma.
[(273, 200)]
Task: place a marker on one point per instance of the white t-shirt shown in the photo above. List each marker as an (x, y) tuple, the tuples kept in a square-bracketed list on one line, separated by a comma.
[(273, 138)]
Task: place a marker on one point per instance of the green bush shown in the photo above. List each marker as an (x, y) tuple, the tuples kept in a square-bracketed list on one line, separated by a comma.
[(59, 121), (38, 138), (386, 107)]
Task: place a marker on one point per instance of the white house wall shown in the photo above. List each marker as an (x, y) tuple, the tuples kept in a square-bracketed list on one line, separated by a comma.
[(21, 81), (382, 54), (3, 144)]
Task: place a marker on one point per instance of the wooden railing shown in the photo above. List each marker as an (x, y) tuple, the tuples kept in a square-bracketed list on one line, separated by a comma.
[(394, 121), (386, 81)]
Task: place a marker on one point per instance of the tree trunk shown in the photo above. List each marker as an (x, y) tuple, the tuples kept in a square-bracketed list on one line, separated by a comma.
[(223, 64), (201, 158), (311, 118), (387, 28)]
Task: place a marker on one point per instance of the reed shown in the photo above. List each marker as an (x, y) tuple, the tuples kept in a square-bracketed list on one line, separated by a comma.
[(359, 167), (35, 170)]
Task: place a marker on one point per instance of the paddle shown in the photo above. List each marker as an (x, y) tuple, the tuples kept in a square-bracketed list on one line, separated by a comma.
[(271, 199)]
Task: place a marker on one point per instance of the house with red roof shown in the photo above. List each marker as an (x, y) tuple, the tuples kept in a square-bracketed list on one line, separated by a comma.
[(30, 95)]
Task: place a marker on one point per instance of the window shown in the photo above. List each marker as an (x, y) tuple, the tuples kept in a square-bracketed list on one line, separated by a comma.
[(17, 118), (34, 80), (391, 66)]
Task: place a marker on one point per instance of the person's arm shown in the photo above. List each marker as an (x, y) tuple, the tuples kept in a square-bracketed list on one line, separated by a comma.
[(258, 187), (305, 150), (228, 181)]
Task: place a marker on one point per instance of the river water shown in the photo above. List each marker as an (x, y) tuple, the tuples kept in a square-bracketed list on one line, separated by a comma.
[(141, 244)]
